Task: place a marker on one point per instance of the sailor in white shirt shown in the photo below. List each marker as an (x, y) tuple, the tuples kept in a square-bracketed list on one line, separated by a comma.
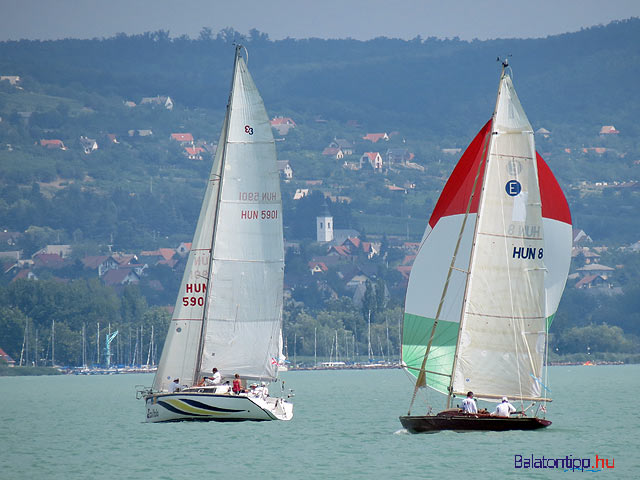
[(216, 379), (504, 409), (174, 386), (469, 404)]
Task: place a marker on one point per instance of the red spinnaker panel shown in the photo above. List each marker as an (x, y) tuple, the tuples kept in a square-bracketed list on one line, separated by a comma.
[(455, 195), (554, 203)]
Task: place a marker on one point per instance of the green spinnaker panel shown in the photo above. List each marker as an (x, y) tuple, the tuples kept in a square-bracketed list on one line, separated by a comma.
[(549, 321), (415, 337)]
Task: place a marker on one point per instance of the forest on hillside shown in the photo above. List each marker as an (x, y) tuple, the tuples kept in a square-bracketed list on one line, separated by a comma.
[(142, 193)]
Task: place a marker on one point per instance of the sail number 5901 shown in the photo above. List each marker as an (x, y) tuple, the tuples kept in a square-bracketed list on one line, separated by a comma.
[(259, 214)]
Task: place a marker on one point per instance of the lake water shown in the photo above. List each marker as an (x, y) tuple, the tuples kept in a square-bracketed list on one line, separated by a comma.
[(345, 426)]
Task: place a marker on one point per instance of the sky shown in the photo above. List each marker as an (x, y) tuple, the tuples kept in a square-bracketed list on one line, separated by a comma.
[(358, 19)]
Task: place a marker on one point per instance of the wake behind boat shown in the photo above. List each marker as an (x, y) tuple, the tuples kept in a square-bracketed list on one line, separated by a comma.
[(488, 279), (228, 313)]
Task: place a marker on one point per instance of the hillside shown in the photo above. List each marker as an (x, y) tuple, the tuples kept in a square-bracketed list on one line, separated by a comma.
[(141, 189)]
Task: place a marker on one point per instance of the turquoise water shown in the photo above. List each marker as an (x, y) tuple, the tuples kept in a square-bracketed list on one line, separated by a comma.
[(345, 426)]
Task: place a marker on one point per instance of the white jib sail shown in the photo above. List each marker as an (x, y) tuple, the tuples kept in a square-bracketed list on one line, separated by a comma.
[(503, 333), (244, 309)]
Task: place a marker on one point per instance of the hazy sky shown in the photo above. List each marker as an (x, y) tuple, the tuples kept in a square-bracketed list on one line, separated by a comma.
[(360, 19)]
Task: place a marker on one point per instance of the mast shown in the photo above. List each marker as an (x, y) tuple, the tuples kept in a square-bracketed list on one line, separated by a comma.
[(84, 349), (98, 344), (223, 157), (370, 351), (53, 342)]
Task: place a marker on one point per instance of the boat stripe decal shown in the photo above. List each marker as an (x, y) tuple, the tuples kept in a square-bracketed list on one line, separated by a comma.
[(195, 403), (180, 406), (171, 408)]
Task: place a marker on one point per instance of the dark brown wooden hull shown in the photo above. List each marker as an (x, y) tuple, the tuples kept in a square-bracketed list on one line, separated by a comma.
[(463, 423)]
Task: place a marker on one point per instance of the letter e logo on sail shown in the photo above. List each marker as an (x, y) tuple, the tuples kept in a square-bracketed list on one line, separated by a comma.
[(513, 188)]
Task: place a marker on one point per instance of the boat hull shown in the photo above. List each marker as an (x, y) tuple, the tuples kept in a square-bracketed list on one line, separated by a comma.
[(210, 407), (463, 423)]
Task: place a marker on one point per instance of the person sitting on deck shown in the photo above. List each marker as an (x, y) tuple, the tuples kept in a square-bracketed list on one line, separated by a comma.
[(469, 404), (216, 379), (504, 409)]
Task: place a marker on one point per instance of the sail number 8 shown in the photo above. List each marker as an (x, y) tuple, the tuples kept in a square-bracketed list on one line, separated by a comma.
[(248, 129)]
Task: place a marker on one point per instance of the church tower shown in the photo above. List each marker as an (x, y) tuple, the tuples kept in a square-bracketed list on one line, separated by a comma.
[(324, 225)]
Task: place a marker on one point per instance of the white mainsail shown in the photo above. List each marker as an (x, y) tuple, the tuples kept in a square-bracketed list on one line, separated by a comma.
[(229, 310), (502, 337)]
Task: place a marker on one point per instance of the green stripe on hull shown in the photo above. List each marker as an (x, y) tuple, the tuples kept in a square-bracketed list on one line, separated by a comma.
[(415, 337)]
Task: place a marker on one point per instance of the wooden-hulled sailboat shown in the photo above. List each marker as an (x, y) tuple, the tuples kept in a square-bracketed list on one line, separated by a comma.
[(488, 278), (228, 313)]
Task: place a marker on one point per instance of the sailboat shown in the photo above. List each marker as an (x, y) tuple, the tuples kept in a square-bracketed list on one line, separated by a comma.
[(488, 278), (228, 313)]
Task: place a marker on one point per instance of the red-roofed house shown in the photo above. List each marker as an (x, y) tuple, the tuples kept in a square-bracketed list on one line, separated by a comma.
[(333, 152), (194, 153), (121, 276), (5, 356), (317, 267), (591, 281), (101, 263), (25, 273), (283, 124), (608, 130), (53, 144), (182, 137), (48, 260), (374, 137), (165, 255), (339, 250), (374, 159)]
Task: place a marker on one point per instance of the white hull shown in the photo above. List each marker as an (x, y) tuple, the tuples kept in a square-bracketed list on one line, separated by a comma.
[(225, 407)]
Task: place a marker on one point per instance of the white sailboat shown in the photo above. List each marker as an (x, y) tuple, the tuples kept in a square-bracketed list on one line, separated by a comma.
[(228, 313), (488, 279)]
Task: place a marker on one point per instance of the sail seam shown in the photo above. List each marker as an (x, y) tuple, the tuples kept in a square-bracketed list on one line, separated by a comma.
[(499, 235), (502, 155), (511, 317)]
